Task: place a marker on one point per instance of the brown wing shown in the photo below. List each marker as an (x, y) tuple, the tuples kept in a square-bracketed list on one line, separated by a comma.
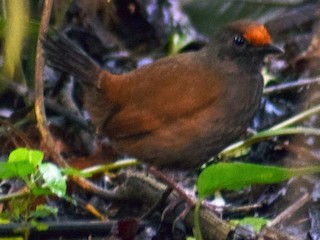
[(160, 93)]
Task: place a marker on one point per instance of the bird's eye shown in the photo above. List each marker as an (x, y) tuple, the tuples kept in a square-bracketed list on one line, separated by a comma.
[(238, 40)]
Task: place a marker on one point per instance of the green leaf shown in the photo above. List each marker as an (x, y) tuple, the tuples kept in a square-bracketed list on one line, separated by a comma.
[(15, 169), (26, 155), (39, 226), (35, 157), (178, 41), (4, 221), (44, 211), (19, 155), (38, 191), (255, 222), (53, 179), (234, 176)]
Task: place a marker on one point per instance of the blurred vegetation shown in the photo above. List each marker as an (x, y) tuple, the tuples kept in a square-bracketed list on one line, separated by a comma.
[(15, 14), (18, 29), (217, 13)]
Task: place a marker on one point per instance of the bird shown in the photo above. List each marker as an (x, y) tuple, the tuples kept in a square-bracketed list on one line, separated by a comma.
[(178, 111)]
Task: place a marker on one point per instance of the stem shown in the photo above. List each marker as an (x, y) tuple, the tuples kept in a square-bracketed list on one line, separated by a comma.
[(297, 118), (107, 167), (197, 228), (267, 134), (277, 130), (291, 85), (20, 193), (298, 172), (39, 101)]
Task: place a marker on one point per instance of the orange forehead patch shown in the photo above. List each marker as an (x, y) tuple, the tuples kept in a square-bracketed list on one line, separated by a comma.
[(257, 35)]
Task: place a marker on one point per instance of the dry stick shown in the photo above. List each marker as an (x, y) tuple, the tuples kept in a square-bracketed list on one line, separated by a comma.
[(49, 104), (10, 129), (270, 232), (18, 194), (39, 107), (212, 227), (291, 210), (291, 85), (39, 101)]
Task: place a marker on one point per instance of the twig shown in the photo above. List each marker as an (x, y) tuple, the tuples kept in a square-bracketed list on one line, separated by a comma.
[(54, 106), (47, 139), (278, 129), (49, 104), (39, 107), (288, 212), (18, 194), (290, 86), (297, 118), (89, 186), (108, 167), (9, 128)]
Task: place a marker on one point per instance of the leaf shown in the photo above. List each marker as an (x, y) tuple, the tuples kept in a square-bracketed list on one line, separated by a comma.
[(34, 157), (234, 176), (4, 221), (256, 222), (53, 179), (44, 211), (18, 155), (39, 226), (178, 41), (15, 169), (38, 191)]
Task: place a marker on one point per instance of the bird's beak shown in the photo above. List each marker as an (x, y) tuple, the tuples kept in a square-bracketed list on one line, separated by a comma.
[(271, 49)]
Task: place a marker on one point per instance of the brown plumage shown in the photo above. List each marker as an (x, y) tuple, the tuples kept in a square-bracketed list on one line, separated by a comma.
[(178, 111)]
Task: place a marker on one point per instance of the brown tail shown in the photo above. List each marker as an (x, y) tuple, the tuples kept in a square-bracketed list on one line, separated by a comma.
[(64, 55)]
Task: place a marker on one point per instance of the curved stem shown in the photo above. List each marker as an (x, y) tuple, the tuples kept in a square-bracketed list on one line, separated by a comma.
[(267, 134)]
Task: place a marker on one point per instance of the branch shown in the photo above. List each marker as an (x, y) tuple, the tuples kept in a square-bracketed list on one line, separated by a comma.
[(47, 139)]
